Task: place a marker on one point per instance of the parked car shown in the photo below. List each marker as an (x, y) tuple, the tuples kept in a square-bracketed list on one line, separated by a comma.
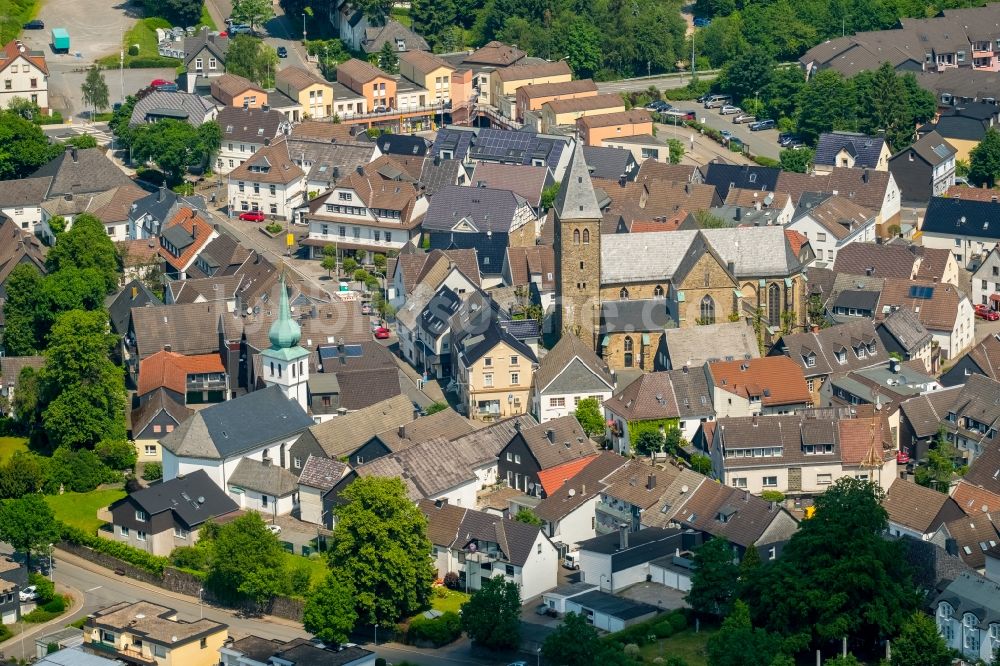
[(366, 308), (168, 87), (36, 24), (382, 333), (542, 609), (962, 180), (784, 137), (252, 216), (274, 529), (282, 52), (727, 136), (983, 312), (156, 83), (743, 118), (676, 115), (715, 101), (29, 593), (729, 109), (702, 22), (761, 125), (240, 30), (787, 139)]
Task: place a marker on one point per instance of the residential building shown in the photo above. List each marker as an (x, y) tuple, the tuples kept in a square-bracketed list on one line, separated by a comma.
[(148, 215), (832, 351), (447, 424), (205, 59), (530, 98), (724, 177), (685, 347), (234, 90), (358, 34), (916, 511), (969, 537), (609, 612), (505, 82), (13, 578), (964, 126), (894, 260), (257, 485), (850, 149), (920, 420), (268, 181), (245, 130), (425, 327), (81, 171), (596, 130), (621, 558), (328, 161), (377, 87), (902, 333), (313, 93), (532, 269), (528, 182), (566, 112), (480, 546), (167, 515), (18, 247), (157, 415), (802, 453), (968, 617), (568, 373), (757, 207), (830, 222), (25, 75), (182, 239), (972, 421), (611, 163), (926, 169), (188, 380), (254, 650), (429, 72), (146, 633), (493, 370), (983, 359), (532, 450), (636, 488), (10, 373), (769, 385), (354, 376), (966, 228), (986, 280), (456, 269), (111, 207), (157, 105), (21, 202), (319, 475), (943, 310), (485, 61), (875, 190)]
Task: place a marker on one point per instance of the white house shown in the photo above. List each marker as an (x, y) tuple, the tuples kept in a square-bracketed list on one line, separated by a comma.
[(569, 373), (25, 75), (830, 222), (21, 201), (479, 546), (619, 559), (269, 182), (944, 310), (986, 281), (964, 227), (967, 612), (917, 511), (244, 132)]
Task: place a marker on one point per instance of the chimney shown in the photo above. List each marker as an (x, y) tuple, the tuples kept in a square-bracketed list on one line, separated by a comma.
[(73, 152), (402, 432), (622, 536), (517, 425), (651, 482), (550, 435), (685, 369), (166, 347), (755, 421), (864, 176), (893, 366), (361, 171), (583, 488), (739, 213), (163, 192)]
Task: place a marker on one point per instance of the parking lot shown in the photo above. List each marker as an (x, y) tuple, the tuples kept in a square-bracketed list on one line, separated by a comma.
[(95, 29)]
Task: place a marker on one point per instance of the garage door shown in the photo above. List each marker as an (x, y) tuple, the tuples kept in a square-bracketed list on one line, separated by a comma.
[(9, 617)]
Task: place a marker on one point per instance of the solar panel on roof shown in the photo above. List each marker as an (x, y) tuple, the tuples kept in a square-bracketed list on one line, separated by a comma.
[(350, 351), (921, 292)]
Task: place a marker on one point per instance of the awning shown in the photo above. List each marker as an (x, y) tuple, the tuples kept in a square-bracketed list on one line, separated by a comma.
[(680, 296), (995, 298)]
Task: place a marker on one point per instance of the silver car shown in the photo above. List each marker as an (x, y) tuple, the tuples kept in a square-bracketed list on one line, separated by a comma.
[(729, 110), (743, 118)]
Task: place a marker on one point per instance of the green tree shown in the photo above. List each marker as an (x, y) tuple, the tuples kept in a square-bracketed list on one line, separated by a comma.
[(780, 93), (525, 515), (175, 145), (825, 103), (739, 643), (24, 295), (120, 119), (86, 246), (28, 525), (939, 469), (23, 473), (648, 442), (573, 643), (549, 195), (706, 220), (435, 407), (588, 413), (433, 19), (83, 391), (747, 74), (381, 546), (329, 264), (715, 578), (81, 141), (252, 59), (95, 90), (329, 612), (254, 13), (117, 455), (841, 660), (247, 562), (920, 644), (26, 399), (179, 12), (676, 147), (750, 563), (984, 161), (583, 47), (388, 61), (492, 617), (701, 464), (796, 159), (376, 11), (25, 146)]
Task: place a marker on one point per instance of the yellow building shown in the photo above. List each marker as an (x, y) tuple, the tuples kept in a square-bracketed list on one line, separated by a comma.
[(494, 371), (505, 82), (567, 111), (314, 95), (429, 72), (147, 633)]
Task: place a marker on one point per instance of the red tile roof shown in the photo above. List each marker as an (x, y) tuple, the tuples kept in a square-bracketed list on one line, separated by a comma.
[(12, 51), (552, 479), (973, 499), (170, 370), (776, 380), (200, 230), (796, 240)]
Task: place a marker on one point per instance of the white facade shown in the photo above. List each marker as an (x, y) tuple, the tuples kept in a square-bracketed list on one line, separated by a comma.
[(964, 633), (220, 470), (955, 342), (288, 369), (773, 473), (234, 153), (671, 577), (266, 505), (27, 218), (539, 573), (23, 78), (986, 281), (276, 199), (891, 201), (575, 526), (311, 505), (824, 243), (966, 247)]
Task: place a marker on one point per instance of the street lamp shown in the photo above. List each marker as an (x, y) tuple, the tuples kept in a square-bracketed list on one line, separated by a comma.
[(201, 605), (538, 654), (376, 634), (52, 575), (303, 27)]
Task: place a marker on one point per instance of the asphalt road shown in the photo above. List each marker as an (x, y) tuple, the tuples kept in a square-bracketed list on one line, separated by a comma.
[(664, 82), (763, 143)]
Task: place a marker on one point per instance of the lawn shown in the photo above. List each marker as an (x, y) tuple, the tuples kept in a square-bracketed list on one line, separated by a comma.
[(206, 18), (11, 445), (80, 509), (402, 14), (143, 33), (452, 601), (687, 645), (14, 14), (317, 567)]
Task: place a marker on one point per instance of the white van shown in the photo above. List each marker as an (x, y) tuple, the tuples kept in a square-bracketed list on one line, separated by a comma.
[(715, 101), (572, 560)]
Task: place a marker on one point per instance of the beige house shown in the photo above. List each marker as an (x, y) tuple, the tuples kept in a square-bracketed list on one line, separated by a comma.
[(269, 182), (429, 72), (147, 633), (567, 111), (494, 371), (314, 94), (505, 82)]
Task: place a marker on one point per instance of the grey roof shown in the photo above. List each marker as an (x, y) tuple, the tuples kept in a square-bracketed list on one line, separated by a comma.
[(343, 435), (905, 327), (268, 479), (755, 251), (193, 498), (931, 147), (956, 217), (236, 426), (251, 125), (194, 108), (558, 441), (865, 149), (159, 204), (329, 161), (972, 593), (483, 208), (89, 171), (421, 470), (860, 300), (472, 347), (571, 356), (822, 345), (152, 404), (639, 257), (24, 191), (730, 340), (455, 527), (632, 316), (610, 163), (437, 173), (925, 412), (499, 145), (75, 656), (576, 199), (133, 295), (216, 44), (391, 32), (484, 445), (614, 606)]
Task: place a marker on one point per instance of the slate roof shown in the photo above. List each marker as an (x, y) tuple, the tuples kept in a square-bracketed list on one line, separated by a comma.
[(776, 380), (643, 546), (986, 355), (392, 32), (328, 161), (932, 148), (730, 340), (975, 535), (18, 247), (822, 346), (905, 328), (975, 594), (752, 515), (455, 527), (154, 403), (473, 347), (403, 144), (437, 173), (484, 445), (217, 44), (924, 412), (237, 426), (343, 435), (447, 424), (322, 473), (420, 469), (865, 149), (618, 607), (183, 496), (524, 181), (193, 108), (251, 125), (658, 395), (914, 506), (586, 484), (569, 349), (725, 176), (188, 329), (558, 441), (610, 163), (23, 191), (962, 217), (484, 208), (90, 171), (265, 478)]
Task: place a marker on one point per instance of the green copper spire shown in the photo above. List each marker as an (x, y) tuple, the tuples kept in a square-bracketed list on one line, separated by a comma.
[(285, 332)]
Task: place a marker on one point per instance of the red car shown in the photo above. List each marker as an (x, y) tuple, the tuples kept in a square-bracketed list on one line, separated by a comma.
[(161, 82), (984, 312), (382, 333), (252, 216)]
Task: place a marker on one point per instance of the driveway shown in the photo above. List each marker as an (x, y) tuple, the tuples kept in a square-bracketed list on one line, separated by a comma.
[(95, 29), (764, 143)]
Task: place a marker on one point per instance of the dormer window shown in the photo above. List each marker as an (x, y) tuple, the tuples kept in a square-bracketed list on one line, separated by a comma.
[(810, 360), (841, 356)]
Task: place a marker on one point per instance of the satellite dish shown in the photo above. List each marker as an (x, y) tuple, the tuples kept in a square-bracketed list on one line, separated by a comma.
[(684, 489), (572, 492), (249, 310)]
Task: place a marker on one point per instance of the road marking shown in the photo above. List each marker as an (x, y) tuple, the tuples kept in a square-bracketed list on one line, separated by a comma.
[(95, 588)]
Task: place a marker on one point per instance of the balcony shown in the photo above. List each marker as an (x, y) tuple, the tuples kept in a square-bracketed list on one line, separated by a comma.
[(619, 514), (128, 653), (207, 385)]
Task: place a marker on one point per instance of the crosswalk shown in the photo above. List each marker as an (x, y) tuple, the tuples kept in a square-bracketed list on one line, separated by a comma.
[(101, 133)]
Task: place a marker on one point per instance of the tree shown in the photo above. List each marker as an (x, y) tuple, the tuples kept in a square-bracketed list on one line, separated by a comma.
[(676, 147), (750, 562), (329, 264), (27, 524), (920, 644), (525, 515), (179, 12), (388, 61), (24, 293), (86, 245), (26, 399), (251, 58), (120, 119), (715, 578), (95, 90), (573, 643), (81, 141), (117, 455), (25, 146), (549, 195), (739, 643), (825, 103), (939, 469), (247, 562), (254, 13), (588, 413), (706, 220), (796, 159), (583, 47), (492, 617), (648, 442), (376, 11), (23, 474), (984, 161), (747, 74), (701, 464), (175, 145), (381, 546), (432, 19), (83, 391), (329, 612)]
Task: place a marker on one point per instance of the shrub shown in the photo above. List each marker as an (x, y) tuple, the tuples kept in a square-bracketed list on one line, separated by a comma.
[(124, 552), (274, 228), (361, 275), (189, 557), (56, 604), (151, 176), (53, 609), (54, 118), (678, 620), (439, 631), (632, 650), (766, 161), (78, 624), (147, 62), (664, 629), (152, 471), (441, 592), (299, 579), (451, 580), (773, 496), (45, 588)]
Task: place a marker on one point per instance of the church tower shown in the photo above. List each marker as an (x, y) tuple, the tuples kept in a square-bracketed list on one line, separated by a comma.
[(285, 364), (577, 236)]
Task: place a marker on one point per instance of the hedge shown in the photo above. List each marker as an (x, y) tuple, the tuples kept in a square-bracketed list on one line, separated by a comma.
[(146, 62), (124, 552), (46, 612), (440, 631), (661, 626)]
